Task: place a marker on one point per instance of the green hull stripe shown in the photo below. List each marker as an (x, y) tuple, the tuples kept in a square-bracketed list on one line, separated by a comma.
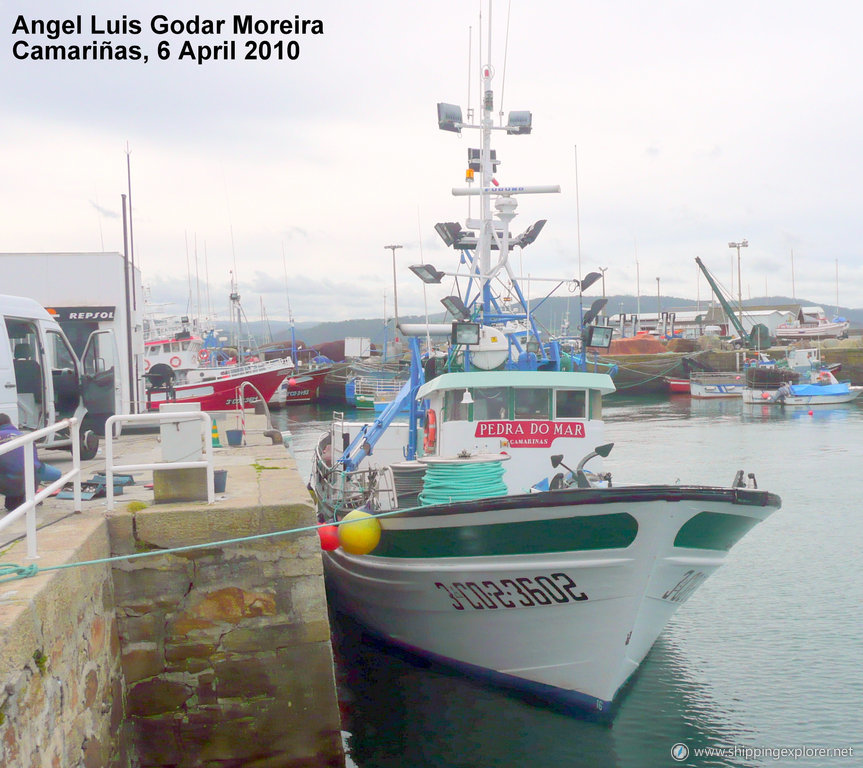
[(567, 534), (712, 530)]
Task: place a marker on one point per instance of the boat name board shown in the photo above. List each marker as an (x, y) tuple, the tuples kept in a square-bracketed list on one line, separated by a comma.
[(554, 588), (529, 434), (245, 399)]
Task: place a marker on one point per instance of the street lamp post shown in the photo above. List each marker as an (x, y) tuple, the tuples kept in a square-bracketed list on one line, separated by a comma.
[(742, 244), (603, 270)]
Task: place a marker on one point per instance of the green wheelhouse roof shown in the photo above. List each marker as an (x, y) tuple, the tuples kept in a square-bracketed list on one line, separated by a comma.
[(555, 379)]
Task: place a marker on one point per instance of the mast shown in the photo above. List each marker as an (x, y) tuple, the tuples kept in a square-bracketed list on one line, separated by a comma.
[(486, 179), (235, 307)]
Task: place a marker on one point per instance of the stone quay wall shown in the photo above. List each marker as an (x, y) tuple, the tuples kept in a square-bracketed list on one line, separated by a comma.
[(61, 683), (218, 656), (226, 650)]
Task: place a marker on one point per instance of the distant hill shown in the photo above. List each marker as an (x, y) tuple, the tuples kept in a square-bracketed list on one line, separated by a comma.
[(550, 314)]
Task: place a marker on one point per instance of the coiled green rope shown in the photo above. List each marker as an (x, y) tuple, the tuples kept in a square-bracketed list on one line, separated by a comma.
[(444, 483)]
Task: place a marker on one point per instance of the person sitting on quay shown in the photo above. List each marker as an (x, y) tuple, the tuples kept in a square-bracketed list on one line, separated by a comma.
[(12, 467)]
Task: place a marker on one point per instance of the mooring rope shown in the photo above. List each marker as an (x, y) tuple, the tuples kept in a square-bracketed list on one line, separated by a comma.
[(11, 571)]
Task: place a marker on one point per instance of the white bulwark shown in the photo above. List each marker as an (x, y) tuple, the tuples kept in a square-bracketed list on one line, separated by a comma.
[(87, 292)]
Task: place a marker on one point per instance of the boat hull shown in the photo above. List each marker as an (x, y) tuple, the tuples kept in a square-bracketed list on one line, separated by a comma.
[(299, 388), (677, 386), (222, 393), (560, 595), (707, 386), (643, 374), (757, 397), (812, 331)]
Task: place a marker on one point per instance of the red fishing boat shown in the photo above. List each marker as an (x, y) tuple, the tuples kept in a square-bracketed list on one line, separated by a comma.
[(184, 365), (302, 386), (216, 389)]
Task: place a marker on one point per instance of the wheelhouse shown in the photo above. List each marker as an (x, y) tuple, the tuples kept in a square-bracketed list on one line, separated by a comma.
[(521, 414)]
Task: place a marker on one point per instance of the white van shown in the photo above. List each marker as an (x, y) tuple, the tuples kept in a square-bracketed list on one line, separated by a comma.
[(41, 380)]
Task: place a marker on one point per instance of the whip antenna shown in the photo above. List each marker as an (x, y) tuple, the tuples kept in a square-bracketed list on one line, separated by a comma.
[(505, 51)]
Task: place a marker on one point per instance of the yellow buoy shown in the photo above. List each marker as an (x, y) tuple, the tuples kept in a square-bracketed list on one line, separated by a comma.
[(359, 532)]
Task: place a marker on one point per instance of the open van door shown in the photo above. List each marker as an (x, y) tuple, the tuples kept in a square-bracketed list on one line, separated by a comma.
[(65, 392), (100, 385)]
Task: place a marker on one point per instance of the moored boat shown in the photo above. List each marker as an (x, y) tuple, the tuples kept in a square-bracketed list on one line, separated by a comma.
[(301, 386), (711, 384), (818, 388), (183, 365), (812, 323), (677, 386), (217, 389), (475, 534)]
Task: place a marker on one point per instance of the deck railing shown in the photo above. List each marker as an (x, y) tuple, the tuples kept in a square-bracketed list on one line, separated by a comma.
[(31, 497)]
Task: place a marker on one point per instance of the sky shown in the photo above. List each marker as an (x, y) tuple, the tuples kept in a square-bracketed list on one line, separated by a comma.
[(673, 128)]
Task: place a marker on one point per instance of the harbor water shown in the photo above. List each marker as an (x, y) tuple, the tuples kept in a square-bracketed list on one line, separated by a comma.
[(764, 657)]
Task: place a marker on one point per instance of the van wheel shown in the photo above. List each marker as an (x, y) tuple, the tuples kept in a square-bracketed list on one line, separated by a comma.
[(89, 445)]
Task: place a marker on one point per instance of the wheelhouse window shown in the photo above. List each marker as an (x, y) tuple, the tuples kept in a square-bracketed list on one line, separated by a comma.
[(454, 408), (570, 404), (531, 403), (489, 403)]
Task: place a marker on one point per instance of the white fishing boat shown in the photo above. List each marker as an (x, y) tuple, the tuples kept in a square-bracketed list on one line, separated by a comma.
[(711, 384), (489, 536), (817, 388), (812, 323)]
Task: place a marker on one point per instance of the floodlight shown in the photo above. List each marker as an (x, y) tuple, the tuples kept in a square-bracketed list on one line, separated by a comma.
[(455, 306), (589, 279), (594, 311), (530, 234), (449, 117), (598, 336), (465, 333), (519, 122), (449, 231), (427, 273)]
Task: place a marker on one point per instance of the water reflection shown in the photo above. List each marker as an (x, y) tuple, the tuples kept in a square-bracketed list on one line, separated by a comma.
[(400, 712)]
